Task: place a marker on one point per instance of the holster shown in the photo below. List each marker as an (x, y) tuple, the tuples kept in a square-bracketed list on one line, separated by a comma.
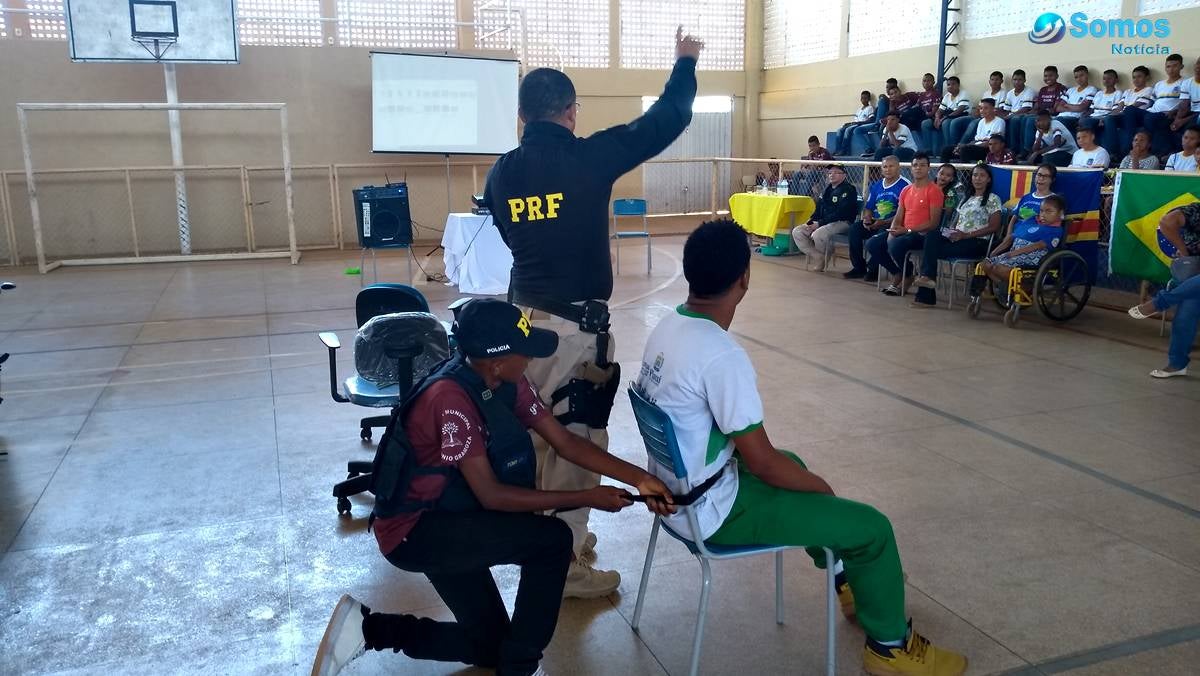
[(590, 395)]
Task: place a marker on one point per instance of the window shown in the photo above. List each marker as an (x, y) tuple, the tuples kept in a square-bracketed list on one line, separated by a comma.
[(888, 25), (648, 32), (46, 20), (702, 104), (1158, 6), (419, 24), (794, 35), (557, 34), (1005, 17), (290, 23)]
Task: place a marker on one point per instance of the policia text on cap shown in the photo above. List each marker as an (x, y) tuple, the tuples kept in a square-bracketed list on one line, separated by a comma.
[(550, 201)]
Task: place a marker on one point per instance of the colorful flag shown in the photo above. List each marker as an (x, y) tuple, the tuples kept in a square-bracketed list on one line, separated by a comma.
[(1135, 248), (1080, 190)]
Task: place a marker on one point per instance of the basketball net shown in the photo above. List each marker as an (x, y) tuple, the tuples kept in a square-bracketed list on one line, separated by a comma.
[(156, 46)]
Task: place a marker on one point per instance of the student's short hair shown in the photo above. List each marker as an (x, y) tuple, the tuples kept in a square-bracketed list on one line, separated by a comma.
[(1019, 71), (988, 100), (1043, 113), (813, 139), (892, 113), (953, 77), (1050, 168), (545, 94), (1143, 70), (892, 82), (996, 72), (1089, 128), (1175, 57), (1081, 69), (715, 257), (1050, 69), (1192, 127), (998, 137), (920, 155), (1112, 72), (1058, 201), (927, 75), (865, 91)]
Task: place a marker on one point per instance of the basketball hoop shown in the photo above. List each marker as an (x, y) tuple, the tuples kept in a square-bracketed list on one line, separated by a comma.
[(157, 47), (154, 24)]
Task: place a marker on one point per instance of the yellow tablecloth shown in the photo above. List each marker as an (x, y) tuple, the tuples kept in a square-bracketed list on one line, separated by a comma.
[(765, 214)]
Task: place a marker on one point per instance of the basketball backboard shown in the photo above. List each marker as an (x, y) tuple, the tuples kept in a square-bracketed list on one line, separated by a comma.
[(174, 31)]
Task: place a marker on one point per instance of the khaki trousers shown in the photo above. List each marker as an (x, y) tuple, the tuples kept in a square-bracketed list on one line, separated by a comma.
[(547, 375)]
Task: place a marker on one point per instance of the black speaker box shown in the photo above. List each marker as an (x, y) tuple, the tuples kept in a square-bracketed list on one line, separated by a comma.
[(382, 216)]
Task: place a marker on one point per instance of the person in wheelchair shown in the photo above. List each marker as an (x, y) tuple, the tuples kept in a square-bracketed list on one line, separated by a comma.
[(1025, 246), (454, 495), (697, 373)]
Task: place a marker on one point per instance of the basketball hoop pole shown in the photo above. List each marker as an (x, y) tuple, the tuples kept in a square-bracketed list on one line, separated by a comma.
[(181, 200)]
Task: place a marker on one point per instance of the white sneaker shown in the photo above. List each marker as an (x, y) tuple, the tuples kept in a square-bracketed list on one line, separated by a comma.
[(585, 582), (587, 554), (343, 641), (1166, 373)]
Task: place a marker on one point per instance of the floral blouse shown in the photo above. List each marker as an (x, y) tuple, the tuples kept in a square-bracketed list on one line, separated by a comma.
[(974, 212)]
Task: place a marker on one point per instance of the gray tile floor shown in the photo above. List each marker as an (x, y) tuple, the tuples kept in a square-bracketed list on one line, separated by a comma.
[(164, 503)]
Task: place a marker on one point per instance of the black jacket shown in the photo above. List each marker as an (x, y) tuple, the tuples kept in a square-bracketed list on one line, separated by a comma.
[(837, 204), (550, 197)]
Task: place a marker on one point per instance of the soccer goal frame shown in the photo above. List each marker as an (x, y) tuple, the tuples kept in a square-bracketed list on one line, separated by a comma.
[(44, 266)]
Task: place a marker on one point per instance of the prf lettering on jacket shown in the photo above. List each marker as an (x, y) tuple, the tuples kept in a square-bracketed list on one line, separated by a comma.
[(532, 207)]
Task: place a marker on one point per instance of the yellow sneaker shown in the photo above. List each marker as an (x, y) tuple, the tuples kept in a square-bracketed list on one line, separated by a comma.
[(846, 598), (918, 657)]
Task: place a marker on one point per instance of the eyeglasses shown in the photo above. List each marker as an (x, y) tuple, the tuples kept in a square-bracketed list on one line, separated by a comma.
[(1042, 174)]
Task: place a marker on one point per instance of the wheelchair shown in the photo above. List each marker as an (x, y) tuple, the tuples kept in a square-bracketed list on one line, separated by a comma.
[(1059, 286)]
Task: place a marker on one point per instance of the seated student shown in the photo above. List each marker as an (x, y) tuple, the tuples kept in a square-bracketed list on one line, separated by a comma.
[(1047, 98), (1052, 143), (989, 125), (1181, 228), (1187, 116), (806, 180), (899, 105), (1089, 155), (978, 217), (938, 132), (1140, 157), (998, 152), (1169, 97), (920, 211), (1104, 104), (865, 116), (1076, 102), (897, 139), (695, 371), (1185, 160), (1025, 246), (833, 216), (878, 211), (1016, 106), (815, 151), (465, 501), (927, 104), (1132, 108)]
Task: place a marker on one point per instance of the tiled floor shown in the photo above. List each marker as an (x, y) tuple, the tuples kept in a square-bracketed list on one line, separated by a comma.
[(164, 503)]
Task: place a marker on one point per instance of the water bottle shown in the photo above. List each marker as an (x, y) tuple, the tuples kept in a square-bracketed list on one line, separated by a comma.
[(781, 188)]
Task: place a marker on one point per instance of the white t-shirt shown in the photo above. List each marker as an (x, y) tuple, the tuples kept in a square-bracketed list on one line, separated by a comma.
[(1168, 95), (952, 103), (1180, 162), (998, 96), (1090, 159), (1018, 102), (1075, 96), (704, 381), (1193, 91), (984, 131), (904, 134), (1103, 102), (1145, 96), (865, 113), (1057, 129)]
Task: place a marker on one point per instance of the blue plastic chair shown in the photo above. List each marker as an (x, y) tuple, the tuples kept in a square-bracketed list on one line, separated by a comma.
[(661, 445), (630, 208)]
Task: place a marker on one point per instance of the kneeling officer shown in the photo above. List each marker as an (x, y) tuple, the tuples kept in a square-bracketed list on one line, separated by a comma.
[(455, 496)]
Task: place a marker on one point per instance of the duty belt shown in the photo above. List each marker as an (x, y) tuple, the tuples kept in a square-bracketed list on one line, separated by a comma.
[(591, 316)]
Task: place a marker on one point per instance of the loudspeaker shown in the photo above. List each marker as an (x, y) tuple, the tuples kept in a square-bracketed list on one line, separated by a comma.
[(382, 216)]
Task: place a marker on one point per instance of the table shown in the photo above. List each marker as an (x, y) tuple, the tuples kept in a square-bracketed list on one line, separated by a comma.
[(771, 215), (477, 260)]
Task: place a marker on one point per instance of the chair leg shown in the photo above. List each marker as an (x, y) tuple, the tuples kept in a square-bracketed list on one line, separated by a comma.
[(641, 599), (778, 587), (830, 610), (705, 585)]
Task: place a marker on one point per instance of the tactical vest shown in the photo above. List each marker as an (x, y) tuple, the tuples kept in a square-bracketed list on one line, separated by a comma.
[(509, 447)]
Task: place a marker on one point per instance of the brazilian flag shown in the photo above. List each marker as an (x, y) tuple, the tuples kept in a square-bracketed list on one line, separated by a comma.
[(1136, 248)]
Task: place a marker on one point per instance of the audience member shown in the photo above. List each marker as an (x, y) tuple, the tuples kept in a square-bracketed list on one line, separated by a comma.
[(1180, 227), (815, 151), (1030, 204), (1106, 102), (919, 212), (1076, 101), (897, 139), (1017, 104), (1025, 246), (1140, 156), (835, 211), (1047, 99), (1052, 142), (698, 374), (938, 133), (927, 104), (898, 104), (1185, 160), (865, 116), (987, 126), (1168, 100), (878, 210), (978, 217), (1089, 155), (998, 152), (996, 93), (953, 193), (1191, 89), (1133, 106)]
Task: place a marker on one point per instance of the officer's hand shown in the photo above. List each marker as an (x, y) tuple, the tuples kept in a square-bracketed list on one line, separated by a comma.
[(686, 45), (661, 504), (608, 498)]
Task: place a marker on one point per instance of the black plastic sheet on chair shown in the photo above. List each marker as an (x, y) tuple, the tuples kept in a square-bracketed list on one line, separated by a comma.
[(399, 330)]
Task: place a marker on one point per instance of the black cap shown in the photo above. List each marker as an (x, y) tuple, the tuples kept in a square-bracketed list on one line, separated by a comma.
[(486, 328)]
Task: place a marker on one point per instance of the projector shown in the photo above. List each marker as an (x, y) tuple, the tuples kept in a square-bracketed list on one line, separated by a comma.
[(481, 207)]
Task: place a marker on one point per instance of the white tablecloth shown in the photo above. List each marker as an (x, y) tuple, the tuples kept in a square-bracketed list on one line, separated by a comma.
[(477, 260)]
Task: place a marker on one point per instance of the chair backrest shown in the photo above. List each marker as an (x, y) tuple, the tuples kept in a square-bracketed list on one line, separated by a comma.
[(386, 299), (657, 433), (629, 207), (399, 348)]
